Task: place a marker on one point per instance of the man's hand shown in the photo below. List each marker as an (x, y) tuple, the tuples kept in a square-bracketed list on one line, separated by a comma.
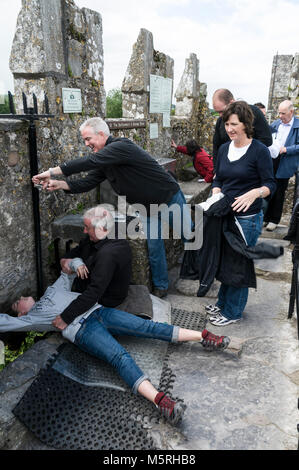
[(82, 272), (64, 263), (283, 150), (59, 323), (42, 178), (53, 185)]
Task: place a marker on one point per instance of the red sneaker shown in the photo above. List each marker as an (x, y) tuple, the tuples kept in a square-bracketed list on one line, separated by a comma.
[(170, 409), (213, 342)]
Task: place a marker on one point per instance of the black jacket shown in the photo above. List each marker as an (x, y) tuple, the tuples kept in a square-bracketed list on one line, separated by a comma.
[(109, 265), (262, 132), (224, 254), (131, 171)]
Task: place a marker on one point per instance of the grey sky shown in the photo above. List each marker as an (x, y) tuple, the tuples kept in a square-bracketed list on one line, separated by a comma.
[(235, 40)]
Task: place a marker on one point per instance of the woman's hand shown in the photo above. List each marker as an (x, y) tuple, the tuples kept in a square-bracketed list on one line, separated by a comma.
[(242, 203), (82, 271), (173, 144)]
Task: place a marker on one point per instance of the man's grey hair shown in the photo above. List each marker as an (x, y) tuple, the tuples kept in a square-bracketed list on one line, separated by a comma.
[(97, 124), (100, 217), (288, 103)]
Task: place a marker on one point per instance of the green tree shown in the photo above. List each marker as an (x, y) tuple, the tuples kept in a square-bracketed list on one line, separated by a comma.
[(114, 104), (4, 107)]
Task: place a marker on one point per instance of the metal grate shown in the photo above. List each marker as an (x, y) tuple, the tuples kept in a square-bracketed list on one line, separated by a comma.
[(65, 414)]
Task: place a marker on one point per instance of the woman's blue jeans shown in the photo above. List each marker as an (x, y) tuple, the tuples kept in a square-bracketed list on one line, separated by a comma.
[(95, 337), (177, 215), (232, 300)]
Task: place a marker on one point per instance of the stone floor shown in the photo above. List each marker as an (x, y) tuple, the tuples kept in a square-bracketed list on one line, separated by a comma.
[(245, 398)]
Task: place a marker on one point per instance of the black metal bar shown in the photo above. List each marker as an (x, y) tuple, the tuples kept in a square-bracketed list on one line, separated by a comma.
[(25, 107), (294, 293), (46, 101), (35, 202), (35, 104), (31, 115), (11, 103)]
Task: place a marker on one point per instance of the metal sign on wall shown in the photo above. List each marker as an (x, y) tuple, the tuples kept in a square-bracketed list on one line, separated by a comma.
[(72, 100)]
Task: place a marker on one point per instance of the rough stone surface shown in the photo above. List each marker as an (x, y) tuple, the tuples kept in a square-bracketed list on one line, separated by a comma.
[(284, 82), (57, 45), (189, 88)]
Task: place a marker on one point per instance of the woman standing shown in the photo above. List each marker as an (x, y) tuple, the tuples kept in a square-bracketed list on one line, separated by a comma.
[(244, 173)]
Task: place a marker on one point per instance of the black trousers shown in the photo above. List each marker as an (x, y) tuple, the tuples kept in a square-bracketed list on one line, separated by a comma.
[(275, 206)]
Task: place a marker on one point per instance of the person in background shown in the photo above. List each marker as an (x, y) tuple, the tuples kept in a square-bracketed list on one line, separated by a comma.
[(244, 174), (262, 107), (285, 155), (261, 130), (202, 161)]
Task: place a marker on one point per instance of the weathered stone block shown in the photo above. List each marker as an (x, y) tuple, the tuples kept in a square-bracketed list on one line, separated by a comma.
[(39, 36)]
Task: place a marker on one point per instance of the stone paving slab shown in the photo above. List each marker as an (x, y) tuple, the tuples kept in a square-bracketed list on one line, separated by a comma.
[(247, 397)]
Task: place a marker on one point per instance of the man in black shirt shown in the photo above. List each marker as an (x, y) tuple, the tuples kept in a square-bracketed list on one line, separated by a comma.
[(221, 99), (133, 173), (105, 266), (91, 322)]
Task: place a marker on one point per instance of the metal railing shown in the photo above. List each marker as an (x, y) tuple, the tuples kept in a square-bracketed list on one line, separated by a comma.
[(31, 115), (294, 294)]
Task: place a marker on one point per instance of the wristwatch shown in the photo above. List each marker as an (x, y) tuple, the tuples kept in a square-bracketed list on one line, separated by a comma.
[(51, 172), (261, 192)]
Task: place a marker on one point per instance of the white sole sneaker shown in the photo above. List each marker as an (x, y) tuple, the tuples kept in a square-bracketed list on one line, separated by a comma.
[(212, 309), (222, 321), (271, 226)]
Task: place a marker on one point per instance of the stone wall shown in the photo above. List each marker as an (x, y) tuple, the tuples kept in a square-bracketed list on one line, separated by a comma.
[(67, 52), (284, 83), (56, 45), (145, 60)]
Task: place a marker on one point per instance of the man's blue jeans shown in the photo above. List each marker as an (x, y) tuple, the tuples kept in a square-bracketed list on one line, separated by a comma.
[(181, 222), (232, 300), (95, 337)]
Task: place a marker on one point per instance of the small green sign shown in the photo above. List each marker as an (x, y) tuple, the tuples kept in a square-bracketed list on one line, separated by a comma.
[(72, 100)]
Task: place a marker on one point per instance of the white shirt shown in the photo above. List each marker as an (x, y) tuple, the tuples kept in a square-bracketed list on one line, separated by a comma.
[(280, 137), (235, 153)]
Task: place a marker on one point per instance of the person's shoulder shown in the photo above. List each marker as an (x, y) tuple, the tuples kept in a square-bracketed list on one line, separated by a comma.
[(258, 144), (296, 122), (224, 147), (275, 123)]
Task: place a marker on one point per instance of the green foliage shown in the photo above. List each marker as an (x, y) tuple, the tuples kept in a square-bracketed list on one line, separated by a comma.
[(4, 108), (79, 209), (11, 355), (70, 72), (114, 104)]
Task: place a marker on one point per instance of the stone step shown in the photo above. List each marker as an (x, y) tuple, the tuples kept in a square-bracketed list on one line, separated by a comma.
[(279, 233), (194, 191)]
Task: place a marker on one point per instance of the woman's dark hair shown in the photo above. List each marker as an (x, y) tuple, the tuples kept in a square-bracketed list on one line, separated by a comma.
[(192, 147), (244, 113)]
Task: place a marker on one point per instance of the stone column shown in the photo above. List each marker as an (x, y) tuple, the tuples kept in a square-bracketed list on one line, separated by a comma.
[(279, 84), (188, 91), (145, 60), (57, 45)]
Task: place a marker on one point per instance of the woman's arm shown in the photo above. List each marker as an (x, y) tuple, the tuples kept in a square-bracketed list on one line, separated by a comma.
[(242, 203)]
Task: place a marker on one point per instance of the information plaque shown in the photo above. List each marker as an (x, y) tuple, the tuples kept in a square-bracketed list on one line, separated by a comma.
[(72, 100), (160, 94)]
